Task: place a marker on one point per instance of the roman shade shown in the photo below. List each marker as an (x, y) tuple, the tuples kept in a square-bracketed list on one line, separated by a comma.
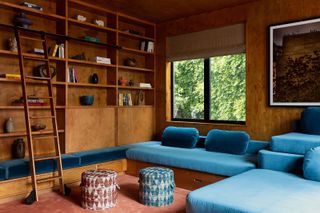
[(208, 43)]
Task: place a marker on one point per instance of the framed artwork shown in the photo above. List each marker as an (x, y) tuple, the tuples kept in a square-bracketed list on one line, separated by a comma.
[(294, 63)]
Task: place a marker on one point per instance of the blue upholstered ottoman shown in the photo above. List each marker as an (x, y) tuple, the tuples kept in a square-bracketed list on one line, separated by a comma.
[(156, 186)]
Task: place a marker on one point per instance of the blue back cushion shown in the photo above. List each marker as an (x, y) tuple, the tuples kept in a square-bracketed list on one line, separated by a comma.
[(180, 137), (233, 142), (311, 164), (310, 121)]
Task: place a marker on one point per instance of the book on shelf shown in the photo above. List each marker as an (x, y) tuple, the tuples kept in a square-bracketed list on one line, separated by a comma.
[(55, 49), (11, 76), (32, 6), (145, 85), (102, 60), (72, 75), (125, 99), (58, 51), (120, 99), (147, 46)]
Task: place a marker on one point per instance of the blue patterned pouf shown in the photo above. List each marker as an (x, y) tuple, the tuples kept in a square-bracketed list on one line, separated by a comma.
[(156, 186)]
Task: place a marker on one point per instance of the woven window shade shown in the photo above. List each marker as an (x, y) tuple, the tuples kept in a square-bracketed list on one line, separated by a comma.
[(208, 43)]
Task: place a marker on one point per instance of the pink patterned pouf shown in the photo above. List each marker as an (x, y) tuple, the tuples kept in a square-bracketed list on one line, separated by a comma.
[(99, 189)]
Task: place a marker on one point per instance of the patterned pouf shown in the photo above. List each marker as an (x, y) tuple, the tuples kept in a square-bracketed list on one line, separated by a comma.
[(156, 186), (99, 189)]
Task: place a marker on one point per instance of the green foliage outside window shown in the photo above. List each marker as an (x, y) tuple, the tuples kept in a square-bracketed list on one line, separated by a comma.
[(227, 88)]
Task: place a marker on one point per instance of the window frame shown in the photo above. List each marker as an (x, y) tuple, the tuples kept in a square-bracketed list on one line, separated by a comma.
[(207, 103)]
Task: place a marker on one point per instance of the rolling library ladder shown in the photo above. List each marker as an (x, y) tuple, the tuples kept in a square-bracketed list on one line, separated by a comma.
[(31, 136)]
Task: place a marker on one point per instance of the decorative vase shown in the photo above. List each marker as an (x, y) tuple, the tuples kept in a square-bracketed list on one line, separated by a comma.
[(21, 20), (13, 46), (94, 78), (18, 148), (9, 125)]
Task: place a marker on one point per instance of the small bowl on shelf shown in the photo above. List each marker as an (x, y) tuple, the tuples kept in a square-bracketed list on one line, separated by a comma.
[(86, 100)]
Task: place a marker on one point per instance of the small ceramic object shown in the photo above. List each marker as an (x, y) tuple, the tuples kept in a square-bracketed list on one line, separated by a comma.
[(38, 127), (9, 125), (18, 148), (13, 46), (131, 62), (86, 100), (81, 18), (21, 20), (94, 78), (99, 22), (123, 82)]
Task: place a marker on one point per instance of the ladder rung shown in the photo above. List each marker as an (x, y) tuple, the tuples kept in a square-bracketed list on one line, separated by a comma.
[(30, 38), (41, 117), (37, 78), (42, 158), (44, 137), (35, 58), (48, 179)]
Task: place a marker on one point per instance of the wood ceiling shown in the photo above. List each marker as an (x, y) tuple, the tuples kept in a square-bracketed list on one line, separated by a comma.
[(158, 11)]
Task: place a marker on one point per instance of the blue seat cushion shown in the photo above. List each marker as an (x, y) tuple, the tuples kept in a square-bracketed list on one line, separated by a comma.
[(311, 164), (309, 122), (233, 142), (180, 137), (280, 161), (70, 161), (294, 142), (257, 191), (2, 173), (255, 146), (194, 159), (20, 167)]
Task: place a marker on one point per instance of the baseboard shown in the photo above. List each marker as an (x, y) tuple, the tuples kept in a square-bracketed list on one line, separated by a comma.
[(184, 178), (20, 187)]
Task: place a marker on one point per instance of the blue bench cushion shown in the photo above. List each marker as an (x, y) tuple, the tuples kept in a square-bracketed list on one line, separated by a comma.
[(233, 142), (195, 159), (2, 173), (280, 161), (257, 191), (180, 137), (294, 142), (255, 146), (70, 161), (311, 164)]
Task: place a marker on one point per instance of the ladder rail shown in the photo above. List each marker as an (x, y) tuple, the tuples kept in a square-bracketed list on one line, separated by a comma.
[(27, 115)]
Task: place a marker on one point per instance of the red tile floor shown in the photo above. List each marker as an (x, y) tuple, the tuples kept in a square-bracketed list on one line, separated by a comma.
[(52, 202)]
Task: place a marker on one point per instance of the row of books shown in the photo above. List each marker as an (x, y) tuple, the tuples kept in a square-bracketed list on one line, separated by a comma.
[(125, 99), (58, 51), (72, 75), (11, 76), (147, 46)]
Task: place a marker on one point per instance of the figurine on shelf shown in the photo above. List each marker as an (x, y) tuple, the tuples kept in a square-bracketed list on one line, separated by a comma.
[(94, 78), (21, 20), (38, 127), (99, 22), (123, 82), (130, 62), (13, 46), (81, 18), (9, 125), (140, 98)]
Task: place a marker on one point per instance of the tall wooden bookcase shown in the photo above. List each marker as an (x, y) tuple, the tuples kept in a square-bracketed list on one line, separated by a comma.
[(105, 123)]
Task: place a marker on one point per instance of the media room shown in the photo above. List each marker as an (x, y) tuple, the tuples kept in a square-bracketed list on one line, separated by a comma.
[(160, 106)]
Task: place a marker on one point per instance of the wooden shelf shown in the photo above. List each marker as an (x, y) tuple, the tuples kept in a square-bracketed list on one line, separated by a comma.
[(91, 7), (15, 54), (90, 107), (136, 69), (75, 61), (90, 85), (30, 82), (134, 88), (136, 51), (90, 25), (21, 134), (137, 106), (30, 107), (135, 36), (31, 11)]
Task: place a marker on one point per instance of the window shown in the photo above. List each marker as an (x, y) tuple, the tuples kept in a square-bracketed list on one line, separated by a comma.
[(210, 90)]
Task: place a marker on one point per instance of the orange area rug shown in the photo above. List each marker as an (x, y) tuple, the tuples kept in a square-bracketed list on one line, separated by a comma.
[(128, 201)]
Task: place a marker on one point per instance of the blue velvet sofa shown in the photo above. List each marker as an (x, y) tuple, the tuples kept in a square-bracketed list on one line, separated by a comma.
[(286, 180)]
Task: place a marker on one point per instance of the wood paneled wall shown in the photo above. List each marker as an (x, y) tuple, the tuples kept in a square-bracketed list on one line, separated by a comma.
[(262, 121)]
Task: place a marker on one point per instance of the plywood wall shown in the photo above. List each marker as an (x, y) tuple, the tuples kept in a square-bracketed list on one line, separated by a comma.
[(262, 121)]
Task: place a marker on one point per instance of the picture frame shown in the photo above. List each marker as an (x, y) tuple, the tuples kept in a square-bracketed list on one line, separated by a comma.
[(294, 63)]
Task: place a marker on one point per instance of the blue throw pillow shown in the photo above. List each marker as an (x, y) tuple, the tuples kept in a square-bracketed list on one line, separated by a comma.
[(311, 164), (309, 122), (180, 137), (233, 142)]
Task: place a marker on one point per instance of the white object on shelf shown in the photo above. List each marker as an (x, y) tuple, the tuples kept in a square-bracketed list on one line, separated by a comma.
[(145, 85), (81, 18), (102, 60), (99, 22)]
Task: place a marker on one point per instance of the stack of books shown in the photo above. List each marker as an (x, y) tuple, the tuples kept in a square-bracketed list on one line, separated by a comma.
[(144, 85), (32, 101), (102, 60), (11, 76)]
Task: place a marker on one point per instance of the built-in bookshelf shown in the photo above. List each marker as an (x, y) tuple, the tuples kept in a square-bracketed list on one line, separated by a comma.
[(119, 38)]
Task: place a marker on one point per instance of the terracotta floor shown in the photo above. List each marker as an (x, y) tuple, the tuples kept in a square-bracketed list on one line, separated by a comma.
[(127, 201)]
